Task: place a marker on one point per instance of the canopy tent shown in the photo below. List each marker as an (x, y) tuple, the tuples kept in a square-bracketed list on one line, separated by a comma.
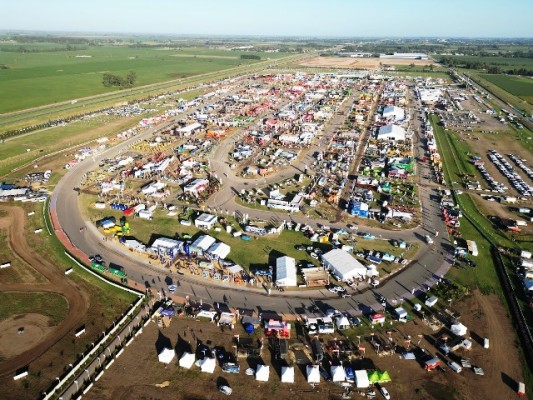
[(204, 242), (262, 373), (187, 360), (208, 365), (373, 376), (342, 322), (287, 374), (286, 271), (362, 379), (249, 328), (313, 374), (235, 269), (384, 377), (166, 356), (337, 373), (372, 271), (458, 329)]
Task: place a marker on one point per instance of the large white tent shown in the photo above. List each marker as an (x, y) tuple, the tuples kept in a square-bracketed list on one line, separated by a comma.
[(458, 329), (396, 113), (166, 356), (286, 271), (361, 378), (219, 250), (391, 132), (337, 373), (262, 373), (343, 265), (187, 360), (287, 374), (208, 365), (204, 242), (313, 374)]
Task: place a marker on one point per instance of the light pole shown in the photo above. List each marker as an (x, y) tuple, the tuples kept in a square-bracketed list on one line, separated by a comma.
[(88, 373), (77, 386)]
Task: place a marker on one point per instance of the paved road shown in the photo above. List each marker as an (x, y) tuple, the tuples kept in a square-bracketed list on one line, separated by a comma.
[(430, 263)]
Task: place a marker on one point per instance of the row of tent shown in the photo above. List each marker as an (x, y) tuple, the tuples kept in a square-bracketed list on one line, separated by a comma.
[(363, 378)]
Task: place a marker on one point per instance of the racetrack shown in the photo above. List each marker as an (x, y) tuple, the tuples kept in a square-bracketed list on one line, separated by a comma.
[(58, 282)]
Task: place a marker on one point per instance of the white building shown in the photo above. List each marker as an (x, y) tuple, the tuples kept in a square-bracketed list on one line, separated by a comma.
[(189, 129), (205, 221), (429, 96), (343, 265), (286, 271), (391, 132)]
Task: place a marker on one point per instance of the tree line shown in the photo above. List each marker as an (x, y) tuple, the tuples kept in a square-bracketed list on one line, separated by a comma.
[(491, 68), (250, 57)]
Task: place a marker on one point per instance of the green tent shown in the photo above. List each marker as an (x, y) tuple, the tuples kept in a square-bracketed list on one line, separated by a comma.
[(384, 377), (373, 376)]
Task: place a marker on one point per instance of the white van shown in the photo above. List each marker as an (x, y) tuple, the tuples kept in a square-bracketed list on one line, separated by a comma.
[(456, 367), (429, 240)]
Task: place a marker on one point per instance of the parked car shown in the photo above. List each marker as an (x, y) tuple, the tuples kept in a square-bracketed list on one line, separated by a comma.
[(225, 389), (384, 392), (231, 368)]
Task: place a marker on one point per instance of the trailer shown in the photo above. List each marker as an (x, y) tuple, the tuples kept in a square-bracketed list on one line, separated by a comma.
[(118, 271), (98, 267)]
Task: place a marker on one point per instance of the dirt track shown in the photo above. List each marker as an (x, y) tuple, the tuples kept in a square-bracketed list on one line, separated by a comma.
[(57, 283), (362, 63)]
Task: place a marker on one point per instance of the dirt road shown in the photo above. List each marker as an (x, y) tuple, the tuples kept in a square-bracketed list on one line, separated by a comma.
[(77, 300)]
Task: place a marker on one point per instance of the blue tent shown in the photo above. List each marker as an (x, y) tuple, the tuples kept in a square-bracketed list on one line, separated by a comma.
[(249, 328)]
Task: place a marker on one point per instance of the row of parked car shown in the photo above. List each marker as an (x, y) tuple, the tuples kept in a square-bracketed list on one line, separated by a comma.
[(508, 171)]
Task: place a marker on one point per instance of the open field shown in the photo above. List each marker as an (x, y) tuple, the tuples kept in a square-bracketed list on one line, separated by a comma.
[(23, 149), (50, 304), (359, 63), (515, 85), (34, 79)]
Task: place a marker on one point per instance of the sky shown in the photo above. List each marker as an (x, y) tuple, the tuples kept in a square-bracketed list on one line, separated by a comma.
[(315, 18)]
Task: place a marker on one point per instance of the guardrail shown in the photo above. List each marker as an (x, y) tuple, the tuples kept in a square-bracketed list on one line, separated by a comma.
[(97, 348)]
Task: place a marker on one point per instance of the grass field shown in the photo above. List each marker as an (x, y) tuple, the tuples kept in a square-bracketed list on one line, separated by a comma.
[(502, 62), (515, 85), (34, 79), (52, 305)]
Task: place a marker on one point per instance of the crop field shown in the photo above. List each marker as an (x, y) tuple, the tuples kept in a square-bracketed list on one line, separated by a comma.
[(515, 85), (502, 62), (38, 78)]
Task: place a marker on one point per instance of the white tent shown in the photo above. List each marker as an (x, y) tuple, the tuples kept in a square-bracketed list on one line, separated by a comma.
[(391, 132), (313, 374), (219, 250), (204, 242), (166, 356), (286, 271), (287, 374), (397, 113), (361, 378), (342, 322), (372, 271), (458, 329), (337, 373), (343, 265), (262, 373), (208, 365), (187, 360)]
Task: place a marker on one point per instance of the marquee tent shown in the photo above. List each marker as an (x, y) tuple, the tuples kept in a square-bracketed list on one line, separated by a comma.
[(187, 360), (287, 374), (166, 356)]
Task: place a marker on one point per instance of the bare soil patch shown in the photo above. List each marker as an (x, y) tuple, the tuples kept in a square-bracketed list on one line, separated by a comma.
[(36, 327), (484, 316), (360, 63)]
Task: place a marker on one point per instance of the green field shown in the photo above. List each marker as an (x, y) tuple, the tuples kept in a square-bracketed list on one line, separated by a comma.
[(52, 305), (515, 85), (502, 62), (39, 78)]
